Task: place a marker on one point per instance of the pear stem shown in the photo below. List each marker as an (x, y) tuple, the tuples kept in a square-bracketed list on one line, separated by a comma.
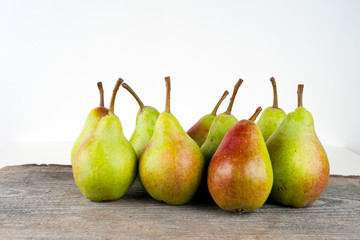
[(300, 94), (168, 88), (236, 88), (127, 87), (101, 90), (116, 88), (254, 116), (275, 103), (219, 103)]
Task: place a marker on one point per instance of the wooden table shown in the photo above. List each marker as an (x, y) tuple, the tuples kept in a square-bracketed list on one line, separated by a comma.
[(43, 201)]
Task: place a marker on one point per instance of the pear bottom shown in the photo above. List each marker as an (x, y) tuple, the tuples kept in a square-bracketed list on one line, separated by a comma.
[(105, 164), (239, 190), (100, 179), (171, 166), (301, 174)]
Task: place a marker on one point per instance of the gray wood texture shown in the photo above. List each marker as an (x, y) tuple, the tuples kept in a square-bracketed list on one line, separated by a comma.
[(43, 202)]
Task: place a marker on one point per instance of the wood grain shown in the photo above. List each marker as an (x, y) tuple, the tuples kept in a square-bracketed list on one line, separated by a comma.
[(43, 202)]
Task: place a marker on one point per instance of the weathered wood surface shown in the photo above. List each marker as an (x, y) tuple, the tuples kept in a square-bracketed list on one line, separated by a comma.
[(43, 202)]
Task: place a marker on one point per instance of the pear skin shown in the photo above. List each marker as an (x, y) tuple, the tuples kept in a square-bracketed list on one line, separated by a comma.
[(270, 120), (219, 127), (300, 164), (200, 130), (91, 122), (145, 125), (271, 117), (105, 165), (222, 123), (171, 165)]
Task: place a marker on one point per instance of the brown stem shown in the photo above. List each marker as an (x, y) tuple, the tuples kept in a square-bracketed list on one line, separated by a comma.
[(219, 103), (127, 87), (116, 88), (275, 103), (101, 90), (168, 88), (236, 88), (300, 94), (254, 116)]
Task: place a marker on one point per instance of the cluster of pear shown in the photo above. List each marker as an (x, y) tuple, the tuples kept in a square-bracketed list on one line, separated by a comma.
[(240, 162)]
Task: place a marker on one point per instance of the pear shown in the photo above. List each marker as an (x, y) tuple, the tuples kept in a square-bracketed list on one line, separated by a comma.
[(271, 117), (300, 163), (105, 165), (200, 130), (145, 124), (171, 165), (91, 122), (219, 127), (240, 175)]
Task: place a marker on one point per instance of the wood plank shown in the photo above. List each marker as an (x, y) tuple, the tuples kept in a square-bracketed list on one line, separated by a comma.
[(43, 202)]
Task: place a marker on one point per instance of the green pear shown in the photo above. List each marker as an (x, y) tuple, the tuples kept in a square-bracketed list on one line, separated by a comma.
[(105, 164), (200, 130), (240, 175), (300, 163), (219, 127), (145, 124), (91, 122), (271, 117), (171, 165)]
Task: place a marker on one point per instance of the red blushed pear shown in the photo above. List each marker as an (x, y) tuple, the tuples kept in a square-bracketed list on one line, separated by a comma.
[(171, 165), (300, 164), (240, 175), (91, 122), (200, 130)]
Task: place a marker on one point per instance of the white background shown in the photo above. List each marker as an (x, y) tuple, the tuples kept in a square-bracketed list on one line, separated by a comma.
[(52, 53)]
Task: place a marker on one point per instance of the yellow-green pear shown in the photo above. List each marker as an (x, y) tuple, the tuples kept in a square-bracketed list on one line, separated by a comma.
[(105, 165), (145, 124), (271, 117), (91, 122), (171, 165), (299, 161), (219, 127)]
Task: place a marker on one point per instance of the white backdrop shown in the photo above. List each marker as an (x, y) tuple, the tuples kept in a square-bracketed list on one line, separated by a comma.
[(52, 53)]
